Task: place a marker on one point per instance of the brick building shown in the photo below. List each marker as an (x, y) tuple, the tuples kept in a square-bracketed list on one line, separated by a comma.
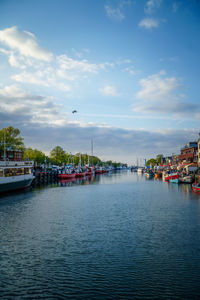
[(14, 155), (189, 154)]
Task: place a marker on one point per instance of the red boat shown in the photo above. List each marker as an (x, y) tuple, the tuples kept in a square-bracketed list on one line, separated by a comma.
[(67, 176), (80, 174), (89, 172), (98, 172), (196, 187), (171, 176)]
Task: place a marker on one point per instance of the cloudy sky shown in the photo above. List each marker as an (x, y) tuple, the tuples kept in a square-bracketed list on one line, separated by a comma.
[(129, 67)]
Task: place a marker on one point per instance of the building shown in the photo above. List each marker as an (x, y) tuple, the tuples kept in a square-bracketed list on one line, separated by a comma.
[(189, 154), (199, 151), (13, 155)]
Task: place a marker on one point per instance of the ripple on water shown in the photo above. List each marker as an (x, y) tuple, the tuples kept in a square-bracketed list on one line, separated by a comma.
[(118, 238)]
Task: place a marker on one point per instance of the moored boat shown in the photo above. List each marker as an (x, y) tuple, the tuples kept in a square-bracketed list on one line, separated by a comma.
[(176, 180), (66, 175), (80, 172), (150, 174), (15, 175), (169, 176), (140, 170), (196, 187), (98, 171), (158, 175), (89, 171), (187, 179)]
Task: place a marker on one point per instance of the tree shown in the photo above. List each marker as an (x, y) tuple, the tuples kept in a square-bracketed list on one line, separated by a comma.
[(35, 155), (151, 162), (10, 137), (58, 155), (159, 158)]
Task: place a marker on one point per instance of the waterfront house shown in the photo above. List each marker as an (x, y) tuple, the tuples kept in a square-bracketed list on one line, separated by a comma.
[(13, 155), (189, 154)]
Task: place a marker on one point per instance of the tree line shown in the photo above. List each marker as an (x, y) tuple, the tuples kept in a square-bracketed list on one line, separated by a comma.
[(155, 161), (11, 139)]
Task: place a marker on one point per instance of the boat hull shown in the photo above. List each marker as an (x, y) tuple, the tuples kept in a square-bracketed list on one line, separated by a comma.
[(67, 176), (97, 172), (187, 180), (177, 180), (89, 173), (17, 185), (158, 175), (196, 188), (172, 176), (78, 175)]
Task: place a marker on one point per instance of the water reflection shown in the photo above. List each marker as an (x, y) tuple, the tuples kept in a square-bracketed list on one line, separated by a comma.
[(115, 236)]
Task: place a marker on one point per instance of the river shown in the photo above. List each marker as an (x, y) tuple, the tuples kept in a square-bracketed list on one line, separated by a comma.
[(118, 236)]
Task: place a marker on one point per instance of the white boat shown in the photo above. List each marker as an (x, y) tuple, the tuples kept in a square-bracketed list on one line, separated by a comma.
[(15, 175), (187, 179), (140, 170)]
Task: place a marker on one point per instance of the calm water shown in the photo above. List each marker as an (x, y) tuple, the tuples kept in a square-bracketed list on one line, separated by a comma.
[(117, 237)]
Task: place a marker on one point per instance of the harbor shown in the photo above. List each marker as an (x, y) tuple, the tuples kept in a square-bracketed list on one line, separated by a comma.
[(117, 235)]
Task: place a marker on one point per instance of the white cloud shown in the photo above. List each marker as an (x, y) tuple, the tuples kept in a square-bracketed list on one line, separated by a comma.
[(24, 43), (152, 5), (29, 108), (12, 90), (155, 87), (114, 13), (160, 94), (109, 90), (149, 23), (46, 78), (117, 13), (43, 126), (68, 64)]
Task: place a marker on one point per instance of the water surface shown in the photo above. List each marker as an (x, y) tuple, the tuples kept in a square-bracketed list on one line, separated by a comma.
[(117, 236)]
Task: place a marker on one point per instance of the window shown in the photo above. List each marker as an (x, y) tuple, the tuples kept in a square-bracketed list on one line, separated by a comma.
[(1, 172), (20, 171), (27, 170)]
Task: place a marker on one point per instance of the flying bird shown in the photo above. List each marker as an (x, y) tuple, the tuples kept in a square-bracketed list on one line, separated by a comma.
[(74, 111)]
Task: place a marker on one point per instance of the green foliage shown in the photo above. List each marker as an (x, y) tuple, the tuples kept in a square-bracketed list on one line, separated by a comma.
[(58, 155), (11, 137), (35, 155), (151, 162), (159, 158)]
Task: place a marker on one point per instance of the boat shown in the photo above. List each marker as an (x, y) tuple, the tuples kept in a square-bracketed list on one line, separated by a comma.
[(66, 175), (176, 180), (158, 175), (89, 171), (149, 174), (79, 172), (15, 175), (98, 171), (187, 179), (196, 187), (140, 170), (169, 176)]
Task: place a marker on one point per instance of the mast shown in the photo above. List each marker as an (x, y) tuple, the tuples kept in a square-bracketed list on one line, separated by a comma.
[(4, 147), (92, 150)]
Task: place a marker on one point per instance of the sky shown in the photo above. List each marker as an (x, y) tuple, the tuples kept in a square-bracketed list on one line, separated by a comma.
[(130, 68)]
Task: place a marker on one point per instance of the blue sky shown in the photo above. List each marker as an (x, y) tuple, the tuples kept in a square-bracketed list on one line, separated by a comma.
[(129, 67)]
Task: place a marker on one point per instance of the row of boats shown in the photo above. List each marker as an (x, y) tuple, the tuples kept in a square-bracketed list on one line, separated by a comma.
[(172, 176), (80, 172), (16, 175)]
